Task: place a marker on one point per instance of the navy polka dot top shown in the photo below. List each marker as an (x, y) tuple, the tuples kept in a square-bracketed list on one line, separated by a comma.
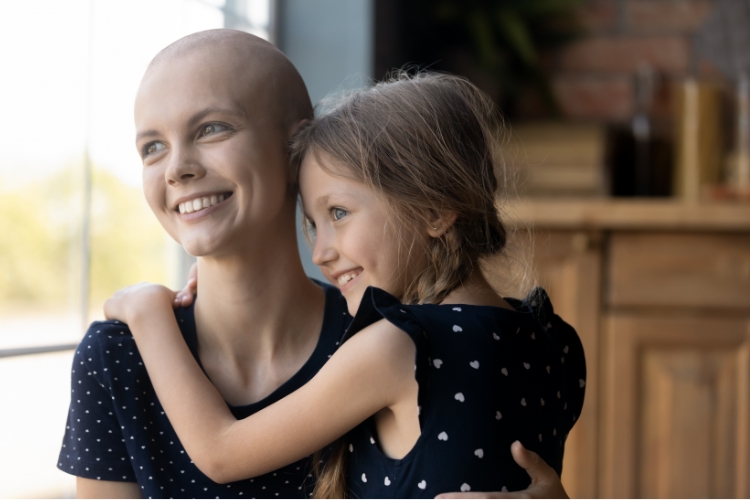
[(118, 431), (487, 376)]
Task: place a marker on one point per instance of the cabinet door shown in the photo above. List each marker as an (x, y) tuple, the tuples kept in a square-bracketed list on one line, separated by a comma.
[(568, 266), (675, 406)]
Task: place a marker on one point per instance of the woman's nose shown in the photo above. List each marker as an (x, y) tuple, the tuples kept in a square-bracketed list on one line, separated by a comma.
[(183, 167)]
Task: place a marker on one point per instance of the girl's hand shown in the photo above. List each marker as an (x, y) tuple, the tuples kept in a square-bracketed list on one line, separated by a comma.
[(545, 483), (185, 296), (136, 301)]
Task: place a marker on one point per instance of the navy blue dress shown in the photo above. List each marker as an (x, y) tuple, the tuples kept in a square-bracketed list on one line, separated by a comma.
[(487, 376), (118, 431)]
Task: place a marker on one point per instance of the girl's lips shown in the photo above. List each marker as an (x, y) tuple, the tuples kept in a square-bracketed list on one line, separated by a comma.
[(352, 282)]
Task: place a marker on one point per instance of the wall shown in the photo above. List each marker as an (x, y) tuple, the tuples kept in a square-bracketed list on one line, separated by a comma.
[(594, 77), (331, 44)]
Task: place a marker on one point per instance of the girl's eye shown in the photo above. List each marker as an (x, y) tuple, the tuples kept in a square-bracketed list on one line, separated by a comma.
[(152, 147), (212, 128), (339, 213)]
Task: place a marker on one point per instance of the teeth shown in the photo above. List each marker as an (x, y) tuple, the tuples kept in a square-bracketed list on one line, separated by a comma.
[(189, 207), (346, 278)]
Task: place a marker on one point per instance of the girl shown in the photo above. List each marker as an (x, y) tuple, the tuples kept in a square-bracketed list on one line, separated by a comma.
[(437, 374)]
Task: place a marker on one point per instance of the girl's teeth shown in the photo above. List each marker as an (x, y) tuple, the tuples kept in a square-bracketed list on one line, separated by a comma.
[(206, 203), (214, 200), (189, 207), (221, 198), (197, 205), (181, 206)]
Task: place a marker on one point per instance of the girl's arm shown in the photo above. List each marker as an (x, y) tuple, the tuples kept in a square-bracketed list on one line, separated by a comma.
[(371, 371)]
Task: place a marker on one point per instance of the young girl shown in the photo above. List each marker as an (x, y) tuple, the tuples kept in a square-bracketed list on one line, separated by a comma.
[(437, 375)]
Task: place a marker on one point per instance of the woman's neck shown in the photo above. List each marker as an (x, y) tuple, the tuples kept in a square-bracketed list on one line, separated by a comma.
[(258, 318)]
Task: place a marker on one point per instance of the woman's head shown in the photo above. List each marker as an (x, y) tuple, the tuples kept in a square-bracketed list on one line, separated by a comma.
[(417, 155)]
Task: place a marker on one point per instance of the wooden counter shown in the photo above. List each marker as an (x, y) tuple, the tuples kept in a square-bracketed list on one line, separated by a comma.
[(645, 215), (660, 295)]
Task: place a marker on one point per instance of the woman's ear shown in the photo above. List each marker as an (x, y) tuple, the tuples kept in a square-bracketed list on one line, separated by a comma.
[(440, 224)]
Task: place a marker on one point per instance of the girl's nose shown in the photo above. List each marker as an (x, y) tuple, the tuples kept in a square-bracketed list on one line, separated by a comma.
[(324, 250), (183, 167)]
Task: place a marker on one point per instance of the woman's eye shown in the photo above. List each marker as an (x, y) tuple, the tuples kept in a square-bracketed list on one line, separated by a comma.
[(339, 213), (152, 147), (212, 128)]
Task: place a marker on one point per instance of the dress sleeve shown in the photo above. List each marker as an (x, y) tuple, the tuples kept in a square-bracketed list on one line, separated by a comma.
[(571, 354), (93, 446)]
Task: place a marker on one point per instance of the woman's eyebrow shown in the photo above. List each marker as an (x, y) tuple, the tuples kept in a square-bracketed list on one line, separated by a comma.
[(200, 115)]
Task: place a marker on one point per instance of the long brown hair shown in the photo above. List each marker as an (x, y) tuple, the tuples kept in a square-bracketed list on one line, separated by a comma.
[(429, 144)]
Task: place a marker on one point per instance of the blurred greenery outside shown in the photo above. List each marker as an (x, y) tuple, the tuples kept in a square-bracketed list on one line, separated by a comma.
[(40, 255)]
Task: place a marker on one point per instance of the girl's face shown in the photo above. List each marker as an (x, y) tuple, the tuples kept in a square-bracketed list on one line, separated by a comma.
[(358, 243)]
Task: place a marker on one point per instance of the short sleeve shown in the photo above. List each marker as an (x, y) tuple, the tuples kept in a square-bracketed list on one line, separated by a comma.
[(93, 446), (571, 354)]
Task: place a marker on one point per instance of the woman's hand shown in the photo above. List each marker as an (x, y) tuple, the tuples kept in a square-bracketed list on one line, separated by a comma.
[(185, 296), (131, 303), (545, 483)]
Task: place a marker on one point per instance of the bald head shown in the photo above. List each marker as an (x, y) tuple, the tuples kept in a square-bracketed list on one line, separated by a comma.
[(248, 61)]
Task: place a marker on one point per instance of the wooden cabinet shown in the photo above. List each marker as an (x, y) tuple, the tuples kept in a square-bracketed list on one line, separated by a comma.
[(660, 295)]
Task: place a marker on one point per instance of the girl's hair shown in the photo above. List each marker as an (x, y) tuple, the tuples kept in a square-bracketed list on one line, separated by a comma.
[(429, 144)]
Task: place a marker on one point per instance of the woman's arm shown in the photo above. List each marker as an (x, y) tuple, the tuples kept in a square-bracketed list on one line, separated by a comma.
[(371, 371), (92, 488), (545, 483)]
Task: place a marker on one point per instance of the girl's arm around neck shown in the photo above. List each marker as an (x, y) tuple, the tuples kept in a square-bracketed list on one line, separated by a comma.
[(371, 371)]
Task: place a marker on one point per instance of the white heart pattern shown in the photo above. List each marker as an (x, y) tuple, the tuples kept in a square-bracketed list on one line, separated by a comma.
[(474, 364), (387, 481), (548, 369), (540, 438), (372, 441), (533, 336), (457, 309), (542, 401), (523, 401), (479, 453), (443, 436), (422, 484), (504, 489), (498, 415), (495, 336), (565, 349), (457, 328), (581, 382), (554, 432), (465, 487), (459, 396), (437, 363), (558, 394), (526, 365), (504, 371), (351, 448), (364, 478)]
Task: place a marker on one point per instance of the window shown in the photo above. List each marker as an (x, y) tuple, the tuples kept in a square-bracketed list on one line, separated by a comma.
[(73, 220)]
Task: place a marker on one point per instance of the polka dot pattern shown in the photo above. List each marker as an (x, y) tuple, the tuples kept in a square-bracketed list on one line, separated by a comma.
[(487, 377), (117, 430)]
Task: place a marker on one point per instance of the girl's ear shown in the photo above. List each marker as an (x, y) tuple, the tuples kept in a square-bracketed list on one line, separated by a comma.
[(440, 224)]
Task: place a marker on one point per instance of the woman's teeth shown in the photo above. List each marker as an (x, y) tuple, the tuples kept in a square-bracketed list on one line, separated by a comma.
[(347, 277), (200, 203)]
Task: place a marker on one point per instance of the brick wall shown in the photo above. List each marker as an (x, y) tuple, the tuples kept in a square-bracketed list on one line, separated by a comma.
[(593, 78)]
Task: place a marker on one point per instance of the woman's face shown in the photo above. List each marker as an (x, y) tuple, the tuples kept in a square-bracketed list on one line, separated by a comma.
[(357, 241), (214, 169)]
